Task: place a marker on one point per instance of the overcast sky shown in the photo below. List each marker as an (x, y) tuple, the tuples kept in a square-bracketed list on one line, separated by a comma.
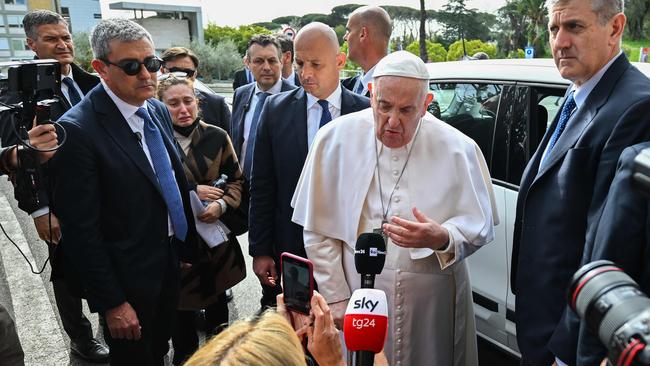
[(238, 12)]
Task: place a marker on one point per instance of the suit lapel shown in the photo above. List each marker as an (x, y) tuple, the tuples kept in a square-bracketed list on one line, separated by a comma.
[(118, 129), (348, 103), (583, 116), (238, 129), (298, 112)]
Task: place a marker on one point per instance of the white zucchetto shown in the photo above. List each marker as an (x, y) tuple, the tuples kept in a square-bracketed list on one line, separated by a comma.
[(401, 63)]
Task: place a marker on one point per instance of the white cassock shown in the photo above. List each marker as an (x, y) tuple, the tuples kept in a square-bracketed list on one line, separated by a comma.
[(431, 319)]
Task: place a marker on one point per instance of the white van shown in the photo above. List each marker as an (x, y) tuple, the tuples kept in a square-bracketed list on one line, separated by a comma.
[(506, 107)]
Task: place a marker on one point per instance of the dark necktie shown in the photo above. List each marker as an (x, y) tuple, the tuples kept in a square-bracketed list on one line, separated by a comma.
[(326, 116), (73, 94), (359, 88), (567, 110), (162, 165), (250, 144)]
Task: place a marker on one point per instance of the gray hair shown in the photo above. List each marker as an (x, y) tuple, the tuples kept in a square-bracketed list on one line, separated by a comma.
[(108, 30), (36, 18), (605, 9)]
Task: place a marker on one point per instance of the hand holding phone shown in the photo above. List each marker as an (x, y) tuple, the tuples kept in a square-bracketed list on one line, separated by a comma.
[(297, 282)]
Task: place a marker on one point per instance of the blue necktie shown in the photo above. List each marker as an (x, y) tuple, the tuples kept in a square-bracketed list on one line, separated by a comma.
[(567, 110), (250, 144), (164, 172), (325, 116), (73, 95), (359, 88)]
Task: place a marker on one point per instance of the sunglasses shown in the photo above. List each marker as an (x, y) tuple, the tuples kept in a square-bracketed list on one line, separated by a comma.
[(132, 67), (188, 72)]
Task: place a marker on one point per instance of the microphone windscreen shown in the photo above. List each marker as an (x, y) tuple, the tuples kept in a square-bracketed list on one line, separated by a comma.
[(370, 253), (365, 325)]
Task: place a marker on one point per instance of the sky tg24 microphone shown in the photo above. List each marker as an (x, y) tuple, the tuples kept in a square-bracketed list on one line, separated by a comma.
[(365, 325)]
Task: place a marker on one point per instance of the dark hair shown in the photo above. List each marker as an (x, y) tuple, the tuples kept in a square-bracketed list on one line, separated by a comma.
[(286, 44), (264, 40), (36, 18), (175, 53)]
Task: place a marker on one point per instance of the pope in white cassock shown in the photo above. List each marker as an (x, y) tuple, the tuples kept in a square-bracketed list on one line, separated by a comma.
[(396, 167)]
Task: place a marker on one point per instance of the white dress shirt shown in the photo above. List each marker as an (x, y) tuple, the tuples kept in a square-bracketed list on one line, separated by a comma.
[(248, 119), (314, 112), (365, 79)]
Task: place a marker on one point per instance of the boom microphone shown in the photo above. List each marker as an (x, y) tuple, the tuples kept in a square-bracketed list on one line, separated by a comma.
[(369, 257), (365, 326)]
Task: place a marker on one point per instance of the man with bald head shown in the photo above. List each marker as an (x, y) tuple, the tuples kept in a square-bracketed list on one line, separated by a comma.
[(367, 33), (395, 155), (287, 125)]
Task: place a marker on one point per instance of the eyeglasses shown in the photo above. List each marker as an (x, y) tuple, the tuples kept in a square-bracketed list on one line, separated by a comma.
[(172, 75), (188, 72), (132, 67)]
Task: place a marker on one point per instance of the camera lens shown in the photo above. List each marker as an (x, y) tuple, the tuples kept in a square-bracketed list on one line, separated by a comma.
[(606, 297)]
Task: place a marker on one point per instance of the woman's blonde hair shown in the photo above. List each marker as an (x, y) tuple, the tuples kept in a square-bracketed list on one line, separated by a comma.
[(166, 81), (266, 341)]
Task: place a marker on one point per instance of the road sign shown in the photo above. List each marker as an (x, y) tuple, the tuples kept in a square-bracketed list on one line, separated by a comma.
[(529, 52)]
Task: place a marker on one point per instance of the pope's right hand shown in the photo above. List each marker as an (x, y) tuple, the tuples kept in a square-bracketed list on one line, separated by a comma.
[(264, 268)]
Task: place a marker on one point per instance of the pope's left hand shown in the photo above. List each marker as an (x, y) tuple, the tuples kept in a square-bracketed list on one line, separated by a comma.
[(423, 233)]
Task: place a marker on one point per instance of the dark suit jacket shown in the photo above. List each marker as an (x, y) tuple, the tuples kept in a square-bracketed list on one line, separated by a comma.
[(557, 205), (279, 155), (622, 236), (239, 79), (214, 109), (349, 84), (112, 214)]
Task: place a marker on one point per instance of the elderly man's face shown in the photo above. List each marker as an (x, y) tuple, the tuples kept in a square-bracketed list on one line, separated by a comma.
[(580, 44), (398, 103), (131, 89)]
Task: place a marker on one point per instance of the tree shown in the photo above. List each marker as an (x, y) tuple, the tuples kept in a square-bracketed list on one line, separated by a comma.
[(636, 12), (227, 59), (458, 22), (524, 23), (83, 53), (456, 52), (240, 36), (423, 32), (435, 51), (208, 61)]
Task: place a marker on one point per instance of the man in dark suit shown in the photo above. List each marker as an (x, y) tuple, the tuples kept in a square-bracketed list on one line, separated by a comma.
[(213, 107), (243, 76), (288, 73), (131, 214), (367, 33), (621, 236), (48, 36), (567, 179), (287, 125)]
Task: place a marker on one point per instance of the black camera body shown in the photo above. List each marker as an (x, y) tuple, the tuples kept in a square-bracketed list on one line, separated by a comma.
[(35, 83), (221, 183)]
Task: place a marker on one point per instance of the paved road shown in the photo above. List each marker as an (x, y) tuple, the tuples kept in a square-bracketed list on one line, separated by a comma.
[(30, 299)]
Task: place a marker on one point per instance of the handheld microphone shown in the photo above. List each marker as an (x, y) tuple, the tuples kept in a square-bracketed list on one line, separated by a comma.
[(369, 257), (365, 325), (138, 136)]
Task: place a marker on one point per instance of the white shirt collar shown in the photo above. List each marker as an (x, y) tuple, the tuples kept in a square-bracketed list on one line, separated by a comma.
[(275, 89), (334, 99), (292, 78), (367, 78), (69, 75), (582, 92), (125, 108)]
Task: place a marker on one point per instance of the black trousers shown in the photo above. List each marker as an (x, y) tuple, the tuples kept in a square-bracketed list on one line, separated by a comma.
[(156, 317), (75, 323), (184, 337)]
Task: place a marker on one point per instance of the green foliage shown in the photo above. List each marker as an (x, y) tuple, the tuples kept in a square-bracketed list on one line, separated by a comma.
[(219, 61), (455, 51), (215, 34), (273, 27), (523, 23), (518, 53), (460, 22), (435, 51), (83, 53), (637, 14), (632, 48)]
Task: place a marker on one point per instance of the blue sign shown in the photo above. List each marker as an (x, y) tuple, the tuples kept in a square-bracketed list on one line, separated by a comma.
[(529, 52)]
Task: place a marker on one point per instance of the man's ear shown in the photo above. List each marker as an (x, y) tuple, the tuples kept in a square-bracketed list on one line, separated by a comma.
[(340, 60), (30, 44), (100, 67)]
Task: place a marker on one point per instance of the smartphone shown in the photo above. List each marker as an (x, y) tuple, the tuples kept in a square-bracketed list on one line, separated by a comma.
[(297, 282)]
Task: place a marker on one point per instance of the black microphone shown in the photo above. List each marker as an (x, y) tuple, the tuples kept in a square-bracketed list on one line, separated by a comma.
[(369, 257), (138, 136)]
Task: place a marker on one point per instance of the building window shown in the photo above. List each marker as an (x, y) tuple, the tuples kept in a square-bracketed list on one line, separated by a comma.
[(65, 11), (4, 44), (97, 16), (15, 21), (19, 45), (15, 2)]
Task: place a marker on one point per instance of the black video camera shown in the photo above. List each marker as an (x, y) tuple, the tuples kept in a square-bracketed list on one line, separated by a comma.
[(34, 84)]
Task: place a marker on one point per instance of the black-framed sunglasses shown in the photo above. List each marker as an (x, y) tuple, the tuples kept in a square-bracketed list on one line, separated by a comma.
[(132, 67), (188, 72)]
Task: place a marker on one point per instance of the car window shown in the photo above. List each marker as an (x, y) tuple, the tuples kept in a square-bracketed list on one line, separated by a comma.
[(552, 103), (469, 107)]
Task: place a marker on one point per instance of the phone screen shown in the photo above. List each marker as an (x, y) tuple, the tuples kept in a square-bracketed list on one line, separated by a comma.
[(296, 284)]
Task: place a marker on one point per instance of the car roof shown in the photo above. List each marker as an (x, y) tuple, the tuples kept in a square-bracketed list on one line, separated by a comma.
[(536, 70)]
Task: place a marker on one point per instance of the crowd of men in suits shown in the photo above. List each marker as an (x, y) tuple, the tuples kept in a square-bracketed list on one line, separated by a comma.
[(119, 247)]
